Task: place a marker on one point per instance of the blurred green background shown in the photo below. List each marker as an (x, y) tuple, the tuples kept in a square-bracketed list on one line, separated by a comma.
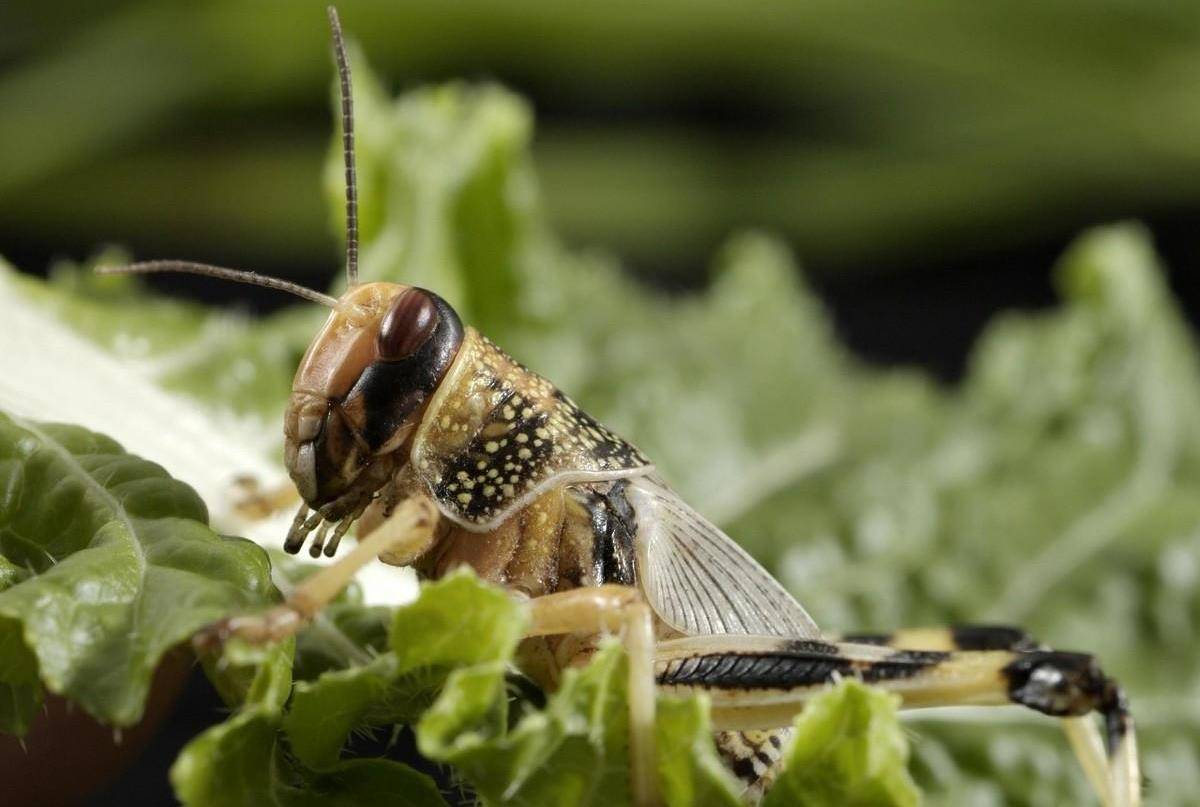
[(927, 163), (943, 144)]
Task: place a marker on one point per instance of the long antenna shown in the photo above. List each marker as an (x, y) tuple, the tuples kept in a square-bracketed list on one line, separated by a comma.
[(343, 65), (236, 275)]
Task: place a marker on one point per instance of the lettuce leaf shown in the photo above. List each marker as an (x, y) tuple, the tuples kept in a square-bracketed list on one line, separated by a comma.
[(457, 694), (848, 750), (117, 568), (243, 762), (229, 361)]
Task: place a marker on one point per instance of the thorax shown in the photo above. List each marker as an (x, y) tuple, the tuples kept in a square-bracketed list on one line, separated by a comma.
[(569, 536)]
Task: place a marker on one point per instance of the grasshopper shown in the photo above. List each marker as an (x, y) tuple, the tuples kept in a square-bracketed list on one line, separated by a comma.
[(445, 451)]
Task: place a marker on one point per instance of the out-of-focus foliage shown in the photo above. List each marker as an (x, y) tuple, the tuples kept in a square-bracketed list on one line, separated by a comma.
[(1056, 486), (871, 133)]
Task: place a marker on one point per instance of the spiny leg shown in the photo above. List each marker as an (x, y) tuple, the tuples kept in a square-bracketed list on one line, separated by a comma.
[(1082, 732), (408, 531), (758, 682), (621, 609)]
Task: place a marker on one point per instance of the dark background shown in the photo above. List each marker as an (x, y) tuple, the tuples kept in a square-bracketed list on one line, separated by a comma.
[(927, 164)]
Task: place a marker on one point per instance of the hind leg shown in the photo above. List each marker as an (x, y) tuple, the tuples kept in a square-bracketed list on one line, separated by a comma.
[(1082, 732), (761, 682)]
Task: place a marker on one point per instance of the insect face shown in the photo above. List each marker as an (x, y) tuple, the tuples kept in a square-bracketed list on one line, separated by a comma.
[(362, 387)]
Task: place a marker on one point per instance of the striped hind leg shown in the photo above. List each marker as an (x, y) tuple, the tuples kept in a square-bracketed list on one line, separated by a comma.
[(758, 682), (1082, 732)]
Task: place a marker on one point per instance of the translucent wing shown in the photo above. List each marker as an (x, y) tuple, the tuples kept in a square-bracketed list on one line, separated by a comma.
[(698, 580)]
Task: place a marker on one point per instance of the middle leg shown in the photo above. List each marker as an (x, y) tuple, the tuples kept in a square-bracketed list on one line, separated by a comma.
[(621, 610)]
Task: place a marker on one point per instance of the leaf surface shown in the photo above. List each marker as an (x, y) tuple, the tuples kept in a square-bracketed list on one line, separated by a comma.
[(117, 566)]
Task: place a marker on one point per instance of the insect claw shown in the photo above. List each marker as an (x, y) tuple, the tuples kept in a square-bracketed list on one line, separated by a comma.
[(344, 526), (297, 533), (332, 547), (319, 541)]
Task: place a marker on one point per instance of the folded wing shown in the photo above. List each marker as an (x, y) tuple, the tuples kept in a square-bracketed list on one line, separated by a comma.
[(698, 580)]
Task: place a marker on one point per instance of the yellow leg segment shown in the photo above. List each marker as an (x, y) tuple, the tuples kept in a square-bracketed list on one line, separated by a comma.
[(621, 610)]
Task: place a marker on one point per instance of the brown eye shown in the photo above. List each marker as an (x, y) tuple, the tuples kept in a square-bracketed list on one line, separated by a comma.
[(407, 325)]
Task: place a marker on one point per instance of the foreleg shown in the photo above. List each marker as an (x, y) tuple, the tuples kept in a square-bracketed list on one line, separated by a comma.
[(407, 532)]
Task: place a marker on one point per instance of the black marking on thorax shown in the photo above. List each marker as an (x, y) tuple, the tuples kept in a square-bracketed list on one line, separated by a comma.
[(614, 528), (529, 433), (496, 468)]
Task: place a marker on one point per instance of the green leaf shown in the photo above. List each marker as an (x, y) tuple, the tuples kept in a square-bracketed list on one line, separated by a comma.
[(120, 566), (226, 360), (20, 691), (235, 760), (242, 761), (575, 751), (430, 632), (428, 644), (848, 750), (689, 768)]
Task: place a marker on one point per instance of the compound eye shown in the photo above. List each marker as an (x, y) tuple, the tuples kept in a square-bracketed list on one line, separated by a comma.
[(407, 325)]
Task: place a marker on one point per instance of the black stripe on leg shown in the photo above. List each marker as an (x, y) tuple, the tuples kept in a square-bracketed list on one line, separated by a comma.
[(755, 670), (800, 646), (743, 768), (992, 637), (868, 638), (901, 664)]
